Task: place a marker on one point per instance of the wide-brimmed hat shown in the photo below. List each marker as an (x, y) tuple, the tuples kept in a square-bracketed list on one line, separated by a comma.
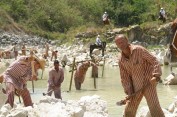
[(42, 62)]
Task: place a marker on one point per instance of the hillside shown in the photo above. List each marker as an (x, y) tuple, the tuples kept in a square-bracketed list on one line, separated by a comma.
[(63, 19)]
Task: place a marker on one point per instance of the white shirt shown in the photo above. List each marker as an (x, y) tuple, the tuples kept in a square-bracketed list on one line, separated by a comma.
[(98, 41), (105, 15), (162, 11)]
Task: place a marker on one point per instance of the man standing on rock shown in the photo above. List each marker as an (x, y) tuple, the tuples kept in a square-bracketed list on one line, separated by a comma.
[(138, 70), (56, 77), (17, 75)]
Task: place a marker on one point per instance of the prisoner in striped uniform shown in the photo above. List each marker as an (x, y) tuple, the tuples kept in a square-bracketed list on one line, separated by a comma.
[(16, 77), (56, 77), (138, 69), (54, 54), (80, 73), (15, 50), (23, 50), (47, 49)]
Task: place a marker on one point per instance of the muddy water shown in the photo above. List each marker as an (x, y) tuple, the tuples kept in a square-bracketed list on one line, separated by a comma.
[(108, 88)]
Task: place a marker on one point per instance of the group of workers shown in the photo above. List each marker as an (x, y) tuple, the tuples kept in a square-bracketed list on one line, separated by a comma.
[(14, 50), (25, 69), (139, 69), (7, 53)]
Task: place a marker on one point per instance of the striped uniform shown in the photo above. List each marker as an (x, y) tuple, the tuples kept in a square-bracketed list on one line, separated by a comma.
[(136, 73), (23, 50), (15, 78), (54, 54), (55, 79), (15, 51), (80, 73), (47, 50)]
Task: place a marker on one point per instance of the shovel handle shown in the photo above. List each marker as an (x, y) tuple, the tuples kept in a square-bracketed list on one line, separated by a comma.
[(47, 92), (123, 102)]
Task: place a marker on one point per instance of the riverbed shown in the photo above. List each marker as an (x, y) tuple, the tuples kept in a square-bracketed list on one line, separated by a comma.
[(108, 87)]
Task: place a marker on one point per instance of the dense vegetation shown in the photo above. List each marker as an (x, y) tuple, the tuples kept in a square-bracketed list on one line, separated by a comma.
[(55, 18)]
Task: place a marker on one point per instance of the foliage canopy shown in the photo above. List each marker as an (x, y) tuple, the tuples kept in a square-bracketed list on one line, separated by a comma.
[(62, 15)]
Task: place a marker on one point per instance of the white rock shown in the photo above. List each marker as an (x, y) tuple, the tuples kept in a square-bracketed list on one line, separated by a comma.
[(18, 113), (91, 114), (96, 51), (87, 106), (170, 80), (144, 112), (5, 109), (49, 99), (171, 108)]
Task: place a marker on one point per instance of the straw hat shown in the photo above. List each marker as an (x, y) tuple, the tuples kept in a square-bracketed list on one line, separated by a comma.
[(42, 62)]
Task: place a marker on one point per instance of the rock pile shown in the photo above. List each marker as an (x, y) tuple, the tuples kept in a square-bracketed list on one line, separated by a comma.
[(87, 106)]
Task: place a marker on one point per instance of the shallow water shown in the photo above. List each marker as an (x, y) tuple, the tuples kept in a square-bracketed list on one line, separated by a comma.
[(108, 88)]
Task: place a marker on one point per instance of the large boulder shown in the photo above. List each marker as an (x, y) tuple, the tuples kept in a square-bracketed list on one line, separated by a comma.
[(135, 33)]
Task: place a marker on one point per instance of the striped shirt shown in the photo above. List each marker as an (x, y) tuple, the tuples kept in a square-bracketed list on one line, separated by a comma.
[(136, 71), (81, 71), (19, 72), (56, 78)]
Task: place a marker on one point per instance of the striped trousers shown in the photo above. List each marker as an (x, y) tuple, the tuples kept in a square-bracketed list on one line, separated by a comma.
[(57, 92), (77, 83), (10, 91), (151, 97)]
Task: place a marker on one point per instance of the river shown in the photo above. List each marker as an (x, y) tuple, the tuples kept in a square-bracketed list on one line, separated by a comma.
[(109, 88)]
